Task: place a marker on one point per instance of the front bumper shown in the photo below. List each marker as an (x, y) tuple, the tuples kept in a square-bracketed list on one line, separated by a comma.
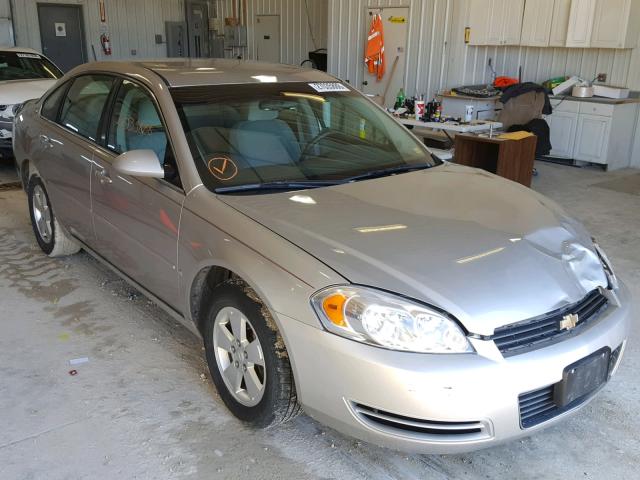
[(446, 403)]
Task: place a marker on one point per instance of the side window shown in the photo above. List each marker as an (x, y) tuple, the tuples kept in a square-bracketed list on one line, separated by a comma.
[(51, 106), (136, 125), (83, 105)]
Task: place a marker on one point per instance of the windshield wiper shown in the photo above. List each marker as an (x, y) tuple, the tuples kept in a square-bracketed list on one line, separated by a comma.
[(280, 185), (387, 171)]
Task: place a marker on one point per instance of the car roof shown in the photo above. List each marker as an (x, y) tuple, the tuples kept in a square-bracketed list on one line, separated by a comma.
[(18, 49), (199, 72)]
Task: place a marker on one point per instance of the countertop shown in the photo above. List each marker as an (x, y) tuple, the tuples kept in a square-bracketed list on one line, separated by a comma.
[(609, 101)]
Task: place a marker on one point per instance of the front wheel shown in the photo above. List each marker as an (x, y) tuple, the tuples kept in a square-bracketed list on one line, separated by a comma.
[(51, 237), (247, 359)]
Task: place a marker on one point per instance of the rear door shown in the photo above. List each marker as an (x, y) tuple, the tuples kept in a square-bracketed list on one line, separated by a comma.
[(137, 219), (70, 117)]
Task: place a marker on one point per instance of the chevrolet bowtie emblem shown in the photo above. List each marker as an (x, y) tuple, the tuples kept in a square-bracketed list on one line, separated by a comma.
[(569, 321)]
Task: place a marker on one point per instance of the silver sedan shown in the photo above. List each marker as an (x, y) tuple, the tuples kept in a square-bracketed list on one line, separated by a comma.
[(326, 258)]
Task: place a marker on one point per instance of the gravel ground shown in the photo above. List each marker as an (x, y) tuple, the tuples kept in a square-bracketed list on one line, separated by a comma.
[(143, 406)]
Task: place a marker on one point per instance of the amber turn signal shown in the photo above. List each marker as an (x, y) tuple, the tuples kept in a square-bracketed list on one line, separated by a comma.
[(333, 309)]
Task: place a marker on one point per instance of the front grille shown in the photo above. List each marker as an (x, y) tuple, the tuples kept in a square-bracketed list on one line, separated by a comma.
[(523, 335), (539, 406), (419, 428)]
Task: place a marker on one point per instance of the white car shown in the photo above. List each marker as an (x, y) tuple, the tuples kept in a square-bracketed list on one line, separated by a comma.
[(24, 74)]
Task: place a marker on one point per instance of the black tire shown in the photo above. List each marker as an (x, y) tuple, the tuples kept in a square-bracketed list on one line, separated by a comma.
[(58, 243), (279, 401)]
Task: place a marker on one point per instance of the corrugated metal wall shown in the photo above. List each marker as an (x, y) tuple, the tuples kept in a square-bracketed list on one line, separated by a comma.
[(6, 25), (296, 36), (133, 25), (438, 58)]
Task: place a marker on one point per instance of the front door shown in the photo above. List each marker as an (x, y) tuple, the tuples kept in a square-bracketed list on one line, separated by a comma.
[(62, 34), (267, 34), (136, 219), (395, 27)]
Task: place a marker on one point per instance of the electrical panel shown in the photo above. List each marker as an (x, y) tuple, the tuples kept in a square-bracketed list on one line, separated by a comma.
[(176, 33), (235, 36)]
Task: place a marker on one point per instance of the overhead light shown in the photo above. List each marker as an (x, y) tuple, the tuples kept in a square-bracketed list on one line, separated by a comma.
[(306, 199), (205, 68), (265, 78), (380, 228)]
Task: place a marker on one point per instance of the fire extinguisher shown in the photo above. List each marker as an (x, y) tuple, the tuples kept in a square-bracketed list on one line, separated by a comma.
[(106, 44)]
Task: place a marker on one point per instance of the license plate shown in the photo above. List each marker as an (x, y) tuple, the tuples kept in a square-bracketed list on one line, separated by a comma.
[(582, 378)]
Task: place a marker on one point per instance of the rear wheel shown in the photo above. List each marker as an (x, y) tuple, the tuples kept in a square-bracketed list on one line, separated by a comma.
[(247, 359), (51, 237)]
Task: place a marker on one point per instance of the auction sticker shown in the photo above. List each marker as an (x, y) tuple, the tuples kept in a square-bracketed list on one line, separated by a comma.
[(223, 168), (328, 87)]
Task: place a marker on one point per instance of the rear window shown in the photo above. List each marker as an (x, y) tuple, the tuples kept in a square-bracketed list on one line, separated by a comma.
[(83, 105), (26, 66)]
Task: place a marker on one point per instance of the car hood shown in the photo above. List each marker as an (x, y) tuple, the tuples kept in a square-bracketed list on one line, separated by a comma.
[(487, 250), (18, 91)]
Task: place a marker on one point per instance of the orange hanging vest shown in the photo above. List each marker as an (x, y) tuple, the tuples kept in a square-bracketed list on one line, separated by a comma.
[(374, 54)]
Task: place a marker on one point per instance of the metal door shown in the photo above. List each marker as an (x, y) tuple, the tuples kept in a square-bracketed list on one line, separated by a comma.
[(395, 24), (62, 34), (267, 34), (198, 28)]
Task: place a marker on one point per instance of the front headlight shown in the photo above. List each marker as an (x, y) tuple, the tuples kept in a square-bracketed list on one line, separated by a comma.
[(377, 318), (606, 265)]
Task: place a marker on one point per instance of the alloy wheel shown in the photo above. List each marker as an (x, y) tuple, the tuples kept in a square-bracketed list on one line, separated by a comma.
[(42, 213), (239, 356)]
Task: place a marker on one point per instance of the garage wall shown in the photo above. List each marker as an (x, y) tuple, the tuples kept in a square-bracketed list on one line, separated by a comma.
[(296, 36), (132, 24), (6, 26), (437, 56)]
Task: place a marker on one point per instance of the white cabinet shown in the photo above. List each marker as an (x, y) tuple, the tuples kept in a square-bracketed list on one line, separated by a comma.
[(562, 126), (559, 23), (512, 21), (580, 23), (615, 24), (593, 132), (495, 22), (536, 25), (592, 138), (555, 23), (479, 20)]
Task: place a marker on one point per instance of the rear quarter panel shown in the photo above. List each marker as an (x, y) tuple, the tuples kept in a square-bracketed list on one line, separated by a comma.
[(25, 136)]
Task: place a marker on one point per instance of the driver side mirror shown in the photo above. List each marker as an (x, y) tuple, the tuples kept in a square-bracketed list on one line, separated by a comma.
[(139, 163)]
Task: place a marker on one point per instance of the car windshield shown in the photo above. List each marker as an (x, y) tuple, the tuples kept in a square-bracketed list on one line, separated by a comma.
[(275, 135), (26, 66)]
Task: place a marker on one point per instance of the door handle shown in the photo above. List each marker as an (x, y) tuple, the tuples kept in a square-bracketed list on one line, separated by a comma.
[(103, 177), (46, 141)]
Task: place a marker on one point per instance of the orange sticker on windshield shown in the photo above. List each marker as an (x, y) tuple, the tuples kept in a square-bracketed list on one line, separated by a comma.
[(223, 168)]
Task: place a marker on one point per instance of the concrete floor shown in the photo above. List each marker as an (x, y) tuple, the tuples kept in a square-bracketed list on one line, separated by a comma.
[(144, 407)]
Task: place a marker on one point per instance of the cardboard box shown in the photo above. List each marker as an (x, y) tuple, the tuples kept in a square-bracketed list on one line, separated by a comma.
[(609, 91), (566, 85)]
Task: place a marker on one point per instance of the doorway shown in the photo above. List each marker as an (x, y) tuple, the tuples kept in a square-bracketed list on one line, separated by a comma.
[(267, 34), (62, 34), (395, 24)]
